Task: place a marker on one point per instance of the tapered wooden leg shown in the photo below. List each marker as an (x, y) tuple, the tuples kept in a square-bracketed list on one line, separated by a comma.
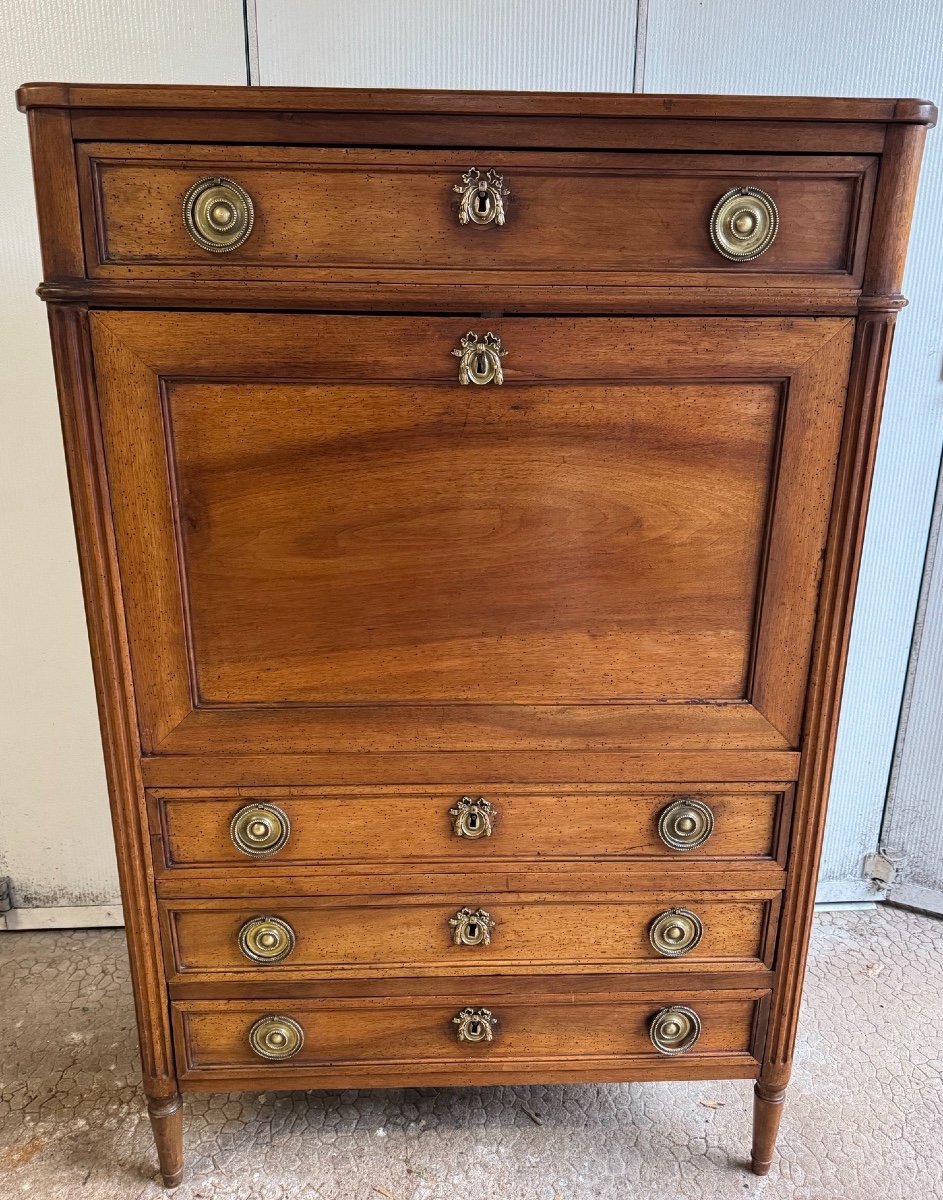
[(167, 1123), (767, 1111)]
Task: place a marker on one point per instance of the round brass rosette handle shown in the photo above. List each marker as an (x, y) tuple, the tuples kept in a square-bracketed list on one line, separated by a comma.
[(674, 1030), (260, 829), (471, 927), (266, 940), (475, 1025), (473, 817), (275, 1037), (743, 224), (685, 824), (218, 214), (675, 932)]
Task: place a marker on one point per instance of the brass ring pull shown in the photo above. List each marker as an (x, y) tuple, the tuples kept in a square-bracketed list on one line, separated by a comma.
[(743, 224), (675, 932), (260, 829), (475, 1025), (480, 359), (685, 824), (482, 197), (266, 940), (674, 1030), (471, 927), (218, 214), (473, 817), (276, 1038)]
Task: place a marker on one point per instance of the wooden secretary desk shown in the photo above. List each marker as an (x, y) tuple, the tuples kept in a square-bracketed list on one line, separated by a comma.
[(469, 490)]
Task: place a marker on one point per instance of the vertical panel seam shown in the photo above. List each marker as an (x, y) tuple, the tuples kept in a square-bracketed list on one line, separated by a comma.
[(250, 25), (641, 42)]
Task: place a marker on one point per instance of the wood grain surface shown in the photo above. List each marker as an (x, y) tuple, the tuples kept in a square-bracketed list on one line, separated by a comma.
[(399, 559), (411, 934), (331, 215), (213, 1037), (386, 825)]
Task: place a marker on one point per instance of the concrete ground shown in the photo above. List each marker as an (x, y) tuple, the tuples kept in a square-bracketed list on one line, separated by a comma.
[(863, 1119)]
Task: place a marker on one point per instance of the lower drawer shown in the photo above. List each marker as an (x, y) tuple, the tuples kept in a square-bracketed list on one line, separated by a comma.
[(330, 829), (466, 934), (466, 1038)]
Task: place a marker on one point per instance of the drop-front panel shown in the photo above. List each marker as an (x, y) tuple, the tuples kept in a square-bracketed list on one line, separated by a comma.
[(469, 490), (324, 537)]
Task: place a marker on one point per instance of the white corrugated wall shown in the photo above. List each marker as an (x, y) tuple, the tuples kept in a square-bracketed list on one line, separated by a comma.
[(55, 833), (56, 841)]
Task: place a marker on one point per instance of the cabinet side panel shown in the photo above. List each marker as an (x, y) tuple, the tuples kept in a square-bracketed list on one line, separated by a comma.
[(896, 192), (91, 510), (866, 391)]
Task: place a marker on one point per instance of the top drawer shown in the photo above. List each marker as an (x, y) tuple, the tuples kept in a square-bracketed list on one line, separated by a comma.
[(343, 215)]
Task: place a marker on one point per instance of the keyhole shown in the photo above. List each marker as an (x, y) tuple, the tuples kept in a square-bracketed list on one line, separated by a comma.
[(482, 203), (473, 931), (481, 364), (475, 1029), (472, 820)]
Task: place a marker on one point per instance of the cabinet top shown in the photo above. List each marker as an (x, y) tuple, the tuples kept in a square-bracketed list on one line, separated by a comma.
[(550, 104)]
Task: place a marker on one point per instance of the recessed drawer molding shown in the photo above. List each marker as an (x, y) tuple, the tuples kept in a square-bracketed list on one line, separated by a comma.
[(332, 828), (214, 940), (386, 1035), (392, 215)]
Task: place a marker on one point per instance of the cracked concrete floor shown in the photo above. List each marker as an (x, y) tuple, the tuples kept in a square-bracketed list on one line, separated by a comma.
[(862, 1118)]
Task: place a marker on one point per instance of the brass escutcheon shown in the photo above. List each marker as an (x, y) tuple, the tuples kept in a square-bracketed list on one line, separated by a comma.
[(473, 817), (275, 1037), (471, 927), (266, 940), (260, 829), (743, 224), (685, 824), (675, 932), (218, 214), (674, 1030), (480, 359), (482, 197), (475, 1025)]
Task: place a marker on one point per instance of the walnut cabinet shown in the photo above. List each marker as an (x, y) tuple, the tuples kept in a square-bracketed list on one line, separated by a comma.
[(469, 489)]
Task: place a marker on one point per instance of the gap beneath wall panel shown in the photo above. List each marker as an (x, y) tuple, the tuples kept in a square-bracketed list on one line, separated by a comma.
[(83, 916), (918, 899)]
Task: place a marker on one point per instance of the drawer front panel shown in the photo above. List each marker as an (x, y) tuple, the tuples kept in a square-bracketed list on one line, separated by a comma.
[(213, 1037), (472, 934), (337, 213), (337, 828)]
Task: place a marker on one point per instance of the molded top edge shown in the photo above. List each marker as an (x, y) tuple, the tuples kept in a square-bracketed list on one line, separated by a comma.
[(548, 104)]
